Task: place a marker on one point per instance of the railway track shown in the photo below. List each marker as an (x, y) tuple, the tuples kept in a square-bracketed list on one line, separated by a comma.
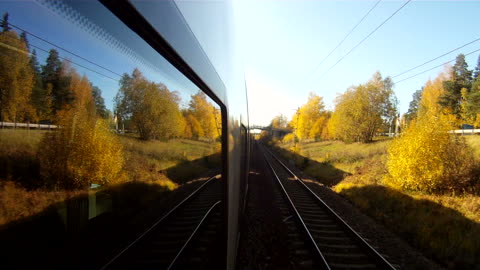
[(332, 243), (183, 238)]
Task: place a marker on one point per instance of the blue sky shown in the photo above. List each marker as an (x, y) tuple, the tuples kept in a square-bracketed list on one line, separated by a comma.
[(283, 41), (36, 18)]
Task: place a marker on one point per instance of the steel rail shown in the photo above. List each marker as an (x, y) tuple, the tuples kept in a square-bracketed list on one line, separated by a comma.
[(377, 256), (299, 218), (193, 234), (158, 222)]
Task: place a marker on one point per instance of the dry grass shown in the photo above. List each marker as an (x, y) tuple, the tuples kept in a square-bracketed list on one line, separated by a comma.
[(160, 166), (18, 203)]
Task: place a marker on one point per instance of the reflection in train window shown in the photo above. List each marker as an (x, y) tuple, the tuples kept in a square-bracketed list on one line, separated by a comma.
[(100, 137)]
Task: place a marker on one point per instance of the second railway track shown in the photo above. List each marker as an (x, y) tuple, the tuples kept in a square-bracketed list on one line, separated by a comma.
[(333, 243), (183, 238)]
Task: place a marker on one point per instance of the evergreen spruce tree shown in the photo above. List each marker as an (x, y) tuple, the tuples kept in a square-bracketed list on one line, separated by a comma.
[(4, 24), (460, 78)]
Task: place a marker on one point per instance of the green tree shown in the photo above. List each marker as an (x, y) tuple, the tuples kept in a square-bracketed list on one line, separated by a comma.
[(99, 102), (41, 96), (413, 106), (460, 78), (56, 73), (4, 24), (477, 69), (23, 37)]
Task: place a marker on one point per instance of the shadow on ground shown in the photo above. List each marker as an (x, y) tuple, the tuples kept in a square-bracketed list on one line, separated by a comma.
[(84, 232), (439, 232)]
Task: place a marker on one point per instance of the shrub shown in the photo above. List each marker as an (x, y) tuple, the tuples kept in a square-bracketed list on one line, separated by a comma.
[(427, 158), (82, 151), (289, 138)]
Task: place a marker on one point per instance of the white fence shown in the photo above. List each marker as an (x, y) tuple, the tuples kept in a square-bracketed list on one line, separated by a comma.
[(26, 125), (465, 131)]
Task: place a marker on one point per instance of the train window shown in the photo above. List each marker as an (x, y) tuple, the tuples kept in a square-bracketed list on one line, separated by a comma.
[(109, 156)]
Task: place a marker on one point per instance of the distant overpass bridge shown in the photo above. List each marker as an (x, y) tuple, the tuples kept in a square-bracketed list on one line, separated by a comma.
[(276, 132)]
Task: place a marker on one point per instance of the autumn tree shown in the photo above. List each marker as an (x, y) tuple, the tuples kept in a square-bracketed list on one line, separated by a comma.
[(306, 116), (83, 151), (319, 129), (193, 129), (151, 107), (16, 79), (279, 121), (426, 157), (362, 110), (205, 113)]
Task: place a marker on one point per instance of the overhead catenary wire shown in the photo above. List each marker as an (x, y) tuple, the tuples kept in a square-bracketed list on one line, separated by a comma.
[(346, 36), (434, 67), (429, 61), (365, 38), (63, 49), (80, 65), (63, 58)]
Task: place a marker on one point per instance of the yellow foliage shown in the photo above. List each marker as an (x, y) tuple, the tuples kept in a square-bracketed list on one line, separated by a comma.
[(426, 157), (318, 127), (307, 115), (83, 151), (361, 110), (16, 79), (206, 115), (289, 138)]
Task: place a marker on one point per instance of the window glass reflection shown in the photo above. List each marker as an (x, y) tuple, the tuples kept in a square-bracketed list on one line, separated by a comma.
[(99, 134)]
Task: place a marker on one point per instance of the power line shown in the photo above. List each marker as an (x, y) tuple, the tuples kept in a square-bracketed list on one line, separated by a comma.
[(341, 42), (63, 49), (365, 38), (434, 67), (46, 51), (429, 61), (82, 66)]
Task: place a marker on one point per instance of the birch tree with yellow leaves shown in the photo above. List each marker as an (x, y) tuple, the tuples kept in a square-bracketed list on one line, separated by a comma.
[(361, 110), (307, 116)]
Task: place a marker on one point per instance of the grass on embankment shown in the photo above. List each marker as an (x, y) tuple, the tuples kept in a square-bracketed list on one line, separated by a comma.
[(161, 165), (445, 227)]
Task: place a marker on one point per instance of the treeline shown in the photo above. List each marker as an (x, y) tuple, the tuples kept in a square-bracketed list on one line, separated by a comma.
[(425, 157), (85, 150), (360, 113), (154, 111), (461, 96), (32, 92)]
